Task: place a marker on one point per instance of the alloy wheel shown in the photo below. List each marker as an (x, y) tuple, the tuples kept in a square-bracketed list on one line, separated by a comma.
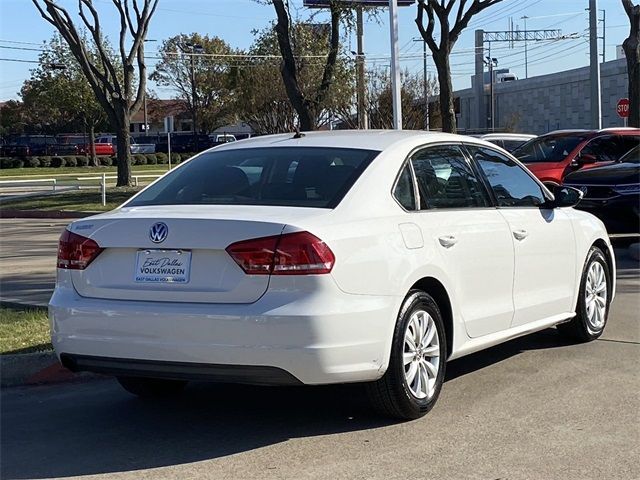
[(595, 296), (421, 355)]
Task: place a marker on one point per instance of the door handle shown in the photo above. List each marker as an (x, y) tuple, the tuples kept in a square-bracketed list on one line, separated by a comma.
[(448, 241), (520, 234)]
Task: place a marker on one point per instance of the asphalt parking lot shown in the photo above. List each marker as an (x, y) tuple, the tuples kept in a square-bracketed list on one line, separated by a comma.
[(533, 408)]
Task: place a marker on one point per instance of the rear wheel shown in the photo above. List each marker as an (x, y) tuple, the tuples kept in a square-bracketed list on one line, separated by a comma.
[(592, 309), (413, 380), (151, 387)]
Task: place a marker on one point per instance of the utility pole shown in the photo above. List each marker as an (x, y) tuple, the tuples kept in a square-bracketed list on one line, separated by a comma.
[(481, 109), (363, 118), (492, 62), (395, 65), (526, 59), (596, 107), (604, 35)]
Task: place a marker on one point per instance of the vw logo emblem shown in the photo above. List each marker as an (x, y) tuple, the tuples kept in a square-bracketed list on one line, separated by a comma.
[(583, 190), (158, 232)]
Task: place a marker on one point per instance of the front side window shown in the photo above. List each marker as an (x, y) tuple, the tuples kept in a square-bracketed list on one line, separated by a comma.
[(445, 179), (511, 184), (282, 176)]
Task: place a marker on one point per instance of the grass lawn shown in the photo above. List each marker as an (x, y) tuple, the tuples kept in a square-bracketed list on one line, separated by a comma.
[(75, 201), (24, 331), (75, 171)]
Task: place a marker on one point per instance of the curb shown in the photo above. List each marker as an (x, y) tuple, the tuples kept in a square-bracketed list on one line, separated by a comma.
[(11, 213), (36, 369)]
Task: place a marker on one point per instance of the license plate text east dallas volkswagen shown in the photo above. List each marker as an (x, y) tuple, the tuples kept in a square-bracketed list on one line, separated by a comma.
[(328, 257)]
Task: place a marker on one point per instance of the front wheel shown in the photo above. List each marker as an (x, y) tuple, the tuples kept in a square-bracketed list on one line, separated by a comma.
[(411, 385), (592, 309)]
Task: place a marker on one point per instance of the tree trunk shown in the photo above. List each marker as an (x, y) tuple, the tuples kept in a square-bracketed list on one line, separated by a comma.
[(447, 109), (631, 48), (123, 150), (93, 160)]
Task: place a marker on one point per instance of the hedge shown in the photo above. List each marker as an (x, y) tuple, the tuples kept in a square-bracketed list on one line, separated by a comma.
[(82, 161)]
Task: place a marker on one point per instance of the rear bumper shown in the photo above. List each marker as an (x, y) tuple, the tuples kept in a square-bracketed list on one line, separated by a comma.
[(313, 334), (178, 370)]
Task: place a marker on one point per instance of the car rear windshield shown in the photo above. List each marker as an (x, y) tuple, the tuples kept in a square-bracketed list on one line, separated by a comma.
[(552, 148), (284, 176)]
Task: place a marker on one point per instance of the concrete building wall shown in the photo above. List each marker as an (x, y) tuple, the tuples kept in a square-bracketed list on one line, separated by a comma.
[(550, 102)]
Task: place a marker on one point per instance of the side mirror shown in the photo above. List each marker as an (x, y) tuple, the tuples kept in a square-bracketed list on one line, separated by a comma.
[(586, 159), (565, 197)]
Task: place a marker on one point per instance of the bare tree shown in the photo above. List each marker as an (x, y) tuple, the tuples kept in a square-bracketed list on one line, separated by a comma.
[(631, 47), (112, 84), (442, 11), (307, 106)]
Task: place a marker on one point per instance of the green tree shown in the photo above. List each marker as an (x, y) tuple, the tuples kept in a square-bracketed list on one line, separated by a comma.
[(199, 69), (58, 94), (451, 21), (261, 98), (119, 88)]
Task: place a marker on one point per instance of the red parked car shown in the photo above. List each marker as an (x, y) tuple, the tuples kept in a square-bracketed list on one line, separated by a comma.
[(552, 156)]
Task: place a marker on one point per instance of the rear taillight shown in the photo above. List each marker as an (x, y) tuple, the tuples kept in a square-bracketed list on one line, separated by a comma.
[(76, 252), (299, 253)]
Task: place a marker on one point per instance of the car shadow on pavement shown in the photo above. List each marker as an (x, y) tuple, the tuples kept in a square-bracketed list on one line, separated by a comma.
[(95, 427)]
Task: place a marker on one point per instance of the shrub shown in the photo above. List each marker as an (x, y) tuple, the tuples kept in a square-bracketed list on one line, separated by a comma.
[(57, 162), (161, 158), (82, 161), (45, 162), (114, 159), (32, 162), (5, 162), (104, 160), (70, 161), (176, 158), (151, 159)]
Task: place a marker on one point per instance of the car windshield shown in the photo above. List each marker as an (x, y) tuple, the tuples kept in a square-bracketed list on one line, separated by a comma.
[(550, 148), (283, 176), (632, 156)]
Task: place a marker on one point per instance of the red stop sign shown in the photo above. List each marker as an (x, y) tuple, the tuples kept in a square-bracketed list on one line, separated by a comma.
[(623, 107)]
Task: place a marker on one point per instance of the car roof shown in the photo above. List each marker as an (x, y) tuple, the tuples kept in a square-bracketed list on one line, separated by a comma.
[(378, 140), (507, 136)]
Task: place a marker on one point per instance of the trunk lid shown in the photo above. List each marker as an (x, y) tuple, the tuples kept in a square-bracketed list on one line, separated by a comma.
[(192, 255)]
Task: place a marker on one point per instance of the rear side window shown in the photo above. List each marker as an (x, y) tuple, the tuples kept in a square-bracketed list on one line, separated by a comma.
[(445, 179), (403, 191), (284, 176), (610, 148)]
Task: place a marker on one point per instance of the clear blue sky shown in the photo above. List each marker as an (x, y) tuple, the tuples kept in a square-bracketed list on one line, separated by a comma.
[(22, 29)]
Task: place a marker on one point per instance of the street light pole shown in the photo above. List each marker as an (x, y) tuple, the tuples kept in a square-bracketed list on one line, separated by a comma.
[(395, 65), (526, 59)]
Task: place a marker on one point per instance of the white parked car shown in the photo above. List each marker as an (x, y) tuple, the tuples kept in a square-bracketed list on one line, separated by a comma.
[(353, 256), (508, 141)]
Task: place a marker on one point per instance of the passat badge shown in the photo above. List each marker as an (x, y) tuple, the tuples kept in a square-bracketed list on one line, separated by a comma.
[(158, 232)]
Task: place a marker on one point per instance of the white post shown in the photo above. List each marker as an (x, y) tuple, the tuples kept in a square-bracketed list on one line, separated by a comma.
[(169, 148), (54, 182), (104, 189), (395, 65)]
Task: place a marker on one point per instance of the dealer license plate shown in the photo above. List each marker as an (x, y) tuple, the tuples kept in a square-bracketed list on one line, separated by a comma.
[(163, 266)]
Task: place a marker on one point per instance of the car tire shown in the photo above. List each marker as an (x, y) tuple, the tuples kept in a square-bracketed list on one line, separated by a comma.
[(151, 387), (402, 391), (594, 297)]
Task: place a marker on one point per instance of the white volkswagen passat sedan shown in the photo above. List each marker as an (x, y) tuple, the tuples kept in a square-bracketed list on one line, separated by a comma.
[(328, 257)]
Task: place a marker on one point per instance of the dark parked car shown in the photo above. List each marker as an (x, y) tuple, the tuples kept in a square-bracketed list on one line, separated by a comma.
[(612, 192), (71, 144), (184, 143), (29, 145)]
